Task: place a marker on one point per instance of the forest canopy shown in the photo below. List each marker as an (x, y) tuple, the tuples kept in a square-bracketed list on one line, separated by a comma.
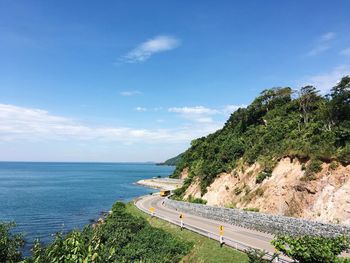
[(280, 122)]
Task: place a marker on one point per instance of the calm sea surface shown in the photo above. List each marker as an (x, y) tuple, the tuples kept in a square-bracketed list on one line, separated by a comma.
[(44, 198)]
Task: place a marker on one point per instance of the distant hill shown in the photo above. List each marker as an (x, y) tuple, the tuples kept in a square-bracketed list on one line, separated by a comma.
[(172, 161)]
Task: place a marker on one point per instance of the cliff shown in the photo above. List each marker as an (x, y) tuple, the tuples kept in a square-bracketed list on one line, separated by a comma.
[(287, 153), (326, 198)]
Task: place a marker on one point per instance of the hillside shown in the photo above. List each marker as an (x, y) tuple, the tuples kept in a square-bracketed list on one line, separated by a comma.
[(286, 153), (172, 161)]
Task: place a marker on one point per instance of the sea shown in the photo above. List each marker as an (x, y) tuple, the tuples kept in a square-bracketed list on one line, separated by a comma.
[(44, 198)]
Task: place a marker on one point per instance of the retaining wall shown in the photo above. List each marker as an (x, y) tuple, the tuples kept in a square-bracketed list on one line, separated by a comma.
[(267, 223)]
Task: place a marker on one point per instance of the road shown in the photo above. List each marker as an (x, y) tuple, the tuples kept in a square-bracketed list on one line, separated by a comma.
[(247, 237)]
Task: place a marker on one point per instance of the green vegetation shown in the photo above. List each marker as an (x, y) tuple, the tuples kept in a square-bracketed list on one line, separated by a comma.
[(121, 238), (259, 256), (307, 249), (251, 209), (172, 161), (203, 250), (261, 177), (196, 200), (10, 244), (278, 123)]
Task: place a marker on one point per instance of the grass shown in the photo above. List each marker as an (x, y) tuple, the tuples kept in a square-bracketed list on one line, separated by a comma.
[(204, 249)]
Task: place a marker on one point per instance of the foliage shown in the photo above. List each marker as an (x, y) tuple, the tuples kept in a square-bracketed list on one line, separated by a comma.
[(278, 123), (259, 256), (251, 209), (261, 177), (196, 200), (308, 249), (10, 244), (122, 238)]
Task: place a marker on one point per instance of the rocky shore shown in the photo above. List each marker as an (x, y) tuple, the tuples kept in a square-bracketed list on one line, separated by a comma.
[(161, 183)]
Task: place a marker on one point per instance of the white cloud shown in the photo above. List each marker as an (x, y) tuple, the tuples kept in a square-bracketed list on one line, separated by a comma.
[(325, 81), (141, 109), (130, 93), (322, 44), (155, 45), (198, 113), (203, 114), (328, 36), (193, 110), (30, 124), (345, 52)]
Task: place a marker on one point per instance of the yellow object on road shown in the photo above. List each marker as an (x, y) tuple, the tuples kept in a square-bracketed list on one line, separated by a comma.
[(221, 230), (164, 193)]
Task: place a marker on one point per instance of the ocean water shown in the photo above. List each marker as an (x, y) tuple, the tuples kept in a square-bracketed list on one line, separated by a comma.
[(44, 198)]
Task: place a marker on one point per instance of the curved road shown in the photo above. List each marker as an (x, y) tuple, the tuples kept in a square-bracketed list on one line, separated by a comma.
[(244, 236)]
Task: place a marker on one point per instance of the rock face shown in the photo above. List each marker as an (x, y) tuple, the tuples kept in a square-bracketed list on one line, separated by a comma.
[(325, 199)]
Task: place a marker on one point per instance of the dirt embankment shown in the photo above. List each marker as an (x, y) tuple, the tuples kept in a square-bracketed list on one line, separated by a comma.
[(325, 199)]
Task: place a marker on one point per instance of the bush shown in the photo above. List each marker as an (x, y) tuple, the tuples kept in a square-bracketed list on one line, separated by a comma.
[(196, 200), (308, 249), (334, 165), (122, 238), (262, 176), (10, 244), (251, 209), (344, 155), (259, 256)]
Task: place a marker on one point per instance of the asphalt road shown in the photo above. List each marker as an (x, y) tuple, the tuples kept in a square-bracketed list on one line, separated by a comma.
[(244, 236)]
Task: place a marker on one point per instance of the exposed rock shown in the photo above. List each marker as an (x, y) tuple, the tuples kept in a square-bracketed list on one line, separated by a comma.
[(326, 199)]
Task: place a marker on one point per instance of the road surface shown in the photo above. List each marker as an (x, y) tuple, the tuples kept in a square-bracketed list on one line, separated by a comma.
[(247, 237)]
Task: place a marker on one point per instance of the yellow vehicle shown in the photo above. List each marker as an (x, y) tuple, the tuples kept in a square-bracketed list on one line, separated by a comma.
[(164, 193)]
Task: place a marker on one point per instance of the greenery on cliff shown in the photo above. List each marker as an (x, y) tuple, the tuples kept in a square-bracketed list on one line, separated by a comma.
[(172, 161), (280, 122)]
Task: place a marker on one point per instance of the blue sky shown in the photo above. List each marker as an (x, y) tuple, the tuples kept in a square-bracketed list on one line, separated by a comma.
[(138, 80)]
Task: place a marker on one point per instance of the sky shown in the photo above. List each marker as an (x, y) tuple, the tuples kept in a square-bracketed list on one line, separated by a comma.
[(134, 81)]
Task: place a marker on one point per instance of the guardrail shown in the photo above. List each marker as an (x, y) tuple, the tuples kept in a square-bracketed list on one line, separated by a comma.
[(227, 241)]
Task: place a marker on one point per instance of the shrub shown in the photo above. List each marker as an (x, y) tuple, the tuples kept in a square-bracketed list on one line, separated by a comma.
[(261, 177), (344, 155), (334, 165), (308, 249), (122, 238), (196, 200), (315, 166), (251, 209), (259, 256), (10, 244)]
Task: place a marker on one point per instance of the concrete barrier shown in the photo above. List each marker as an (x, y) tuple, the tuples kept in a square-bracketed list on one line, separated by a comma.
[(272, 224)]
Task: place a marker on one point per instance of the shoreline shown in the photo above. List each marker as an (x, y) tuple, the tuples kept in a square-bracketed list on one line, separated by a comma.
[(161, 183)]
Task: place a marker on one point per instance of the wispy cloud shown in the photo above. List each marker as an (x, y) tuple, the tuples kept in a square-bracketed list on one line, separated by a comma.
[(203, 114), (152, 46), (130, 93), (197, 113), (322, 44), (325, 81), (30, 124), (141, 109), (345, 52)]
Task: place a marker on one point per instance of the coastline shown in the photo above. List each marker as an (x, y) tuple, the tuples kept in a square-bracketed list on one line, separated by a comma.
[(161, 183)]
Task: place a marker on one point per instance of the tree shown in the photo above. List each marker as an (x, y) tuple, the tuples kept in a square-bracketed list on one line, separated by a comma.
[(307, 98), (308, 249), (340, 103)]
